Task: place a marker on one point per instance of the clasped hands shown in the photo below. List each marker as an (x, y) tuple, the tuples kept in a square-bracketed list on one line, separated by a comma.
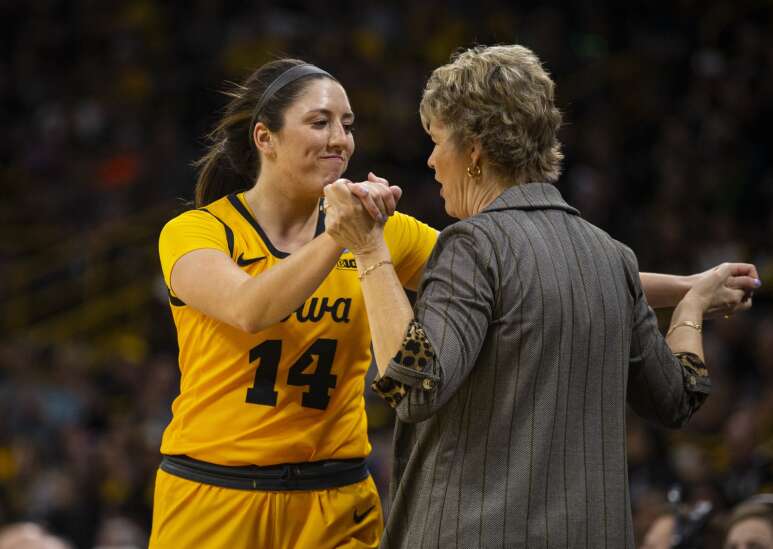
[(355, 213), (725, 289)]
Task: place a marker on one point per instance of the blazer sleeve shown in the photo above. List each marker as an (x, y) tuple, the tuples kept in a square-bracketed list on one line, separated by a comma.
[(453, 312), (663, 387)]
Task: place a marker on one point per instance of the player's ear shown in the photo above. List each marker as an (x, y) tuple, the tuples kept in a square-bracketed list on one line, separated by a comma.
[(264, 140)]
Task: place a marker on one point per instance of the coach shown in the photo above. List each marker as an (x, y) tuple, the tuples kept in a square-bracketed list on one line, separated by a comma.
[(530, 334)]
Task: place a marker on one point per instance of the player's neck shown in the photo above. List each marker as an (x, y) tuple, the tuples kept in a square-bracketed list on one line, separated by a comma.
[(285, 217)]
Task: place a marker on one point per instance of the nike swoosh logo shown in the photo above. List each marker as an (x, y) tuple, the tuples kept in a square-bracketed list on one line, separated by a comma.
[(243, 262), (359, 518)]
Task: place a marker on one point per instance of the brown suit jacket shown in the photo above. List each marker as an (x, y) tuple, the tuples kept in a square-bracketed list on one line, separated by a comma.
[(514, 435)]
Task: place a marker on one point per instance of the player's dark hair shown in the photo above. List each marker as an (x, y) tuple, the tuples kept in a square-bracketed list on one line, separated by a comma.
[(231, 162)]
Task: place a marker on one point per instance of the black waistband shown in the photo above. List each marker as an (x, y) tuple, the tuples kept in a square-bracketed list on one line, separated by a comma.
[(316, 475)]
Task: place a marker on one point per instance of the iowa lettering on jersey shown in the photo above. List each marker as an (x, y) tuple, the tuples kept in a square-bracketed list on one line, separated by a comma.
[(315, 310), (350, 264)]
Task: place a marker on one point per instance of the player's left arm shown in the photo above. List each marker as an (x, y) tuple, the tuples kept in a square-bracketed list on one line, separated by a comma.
[(662, 290)]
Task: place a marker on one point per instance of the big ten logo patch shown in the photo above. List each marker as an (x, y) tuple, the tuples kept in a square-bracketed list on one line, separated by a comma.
[(348, 264)]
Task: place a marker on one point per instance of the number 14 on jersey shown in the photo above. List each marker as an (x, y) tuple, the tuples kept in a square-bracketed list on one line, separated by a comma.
[(269, 353)]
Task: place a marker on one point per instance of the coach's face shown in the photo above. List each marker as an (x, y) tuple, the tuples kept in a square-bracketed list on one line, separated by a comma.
[(450, 163)]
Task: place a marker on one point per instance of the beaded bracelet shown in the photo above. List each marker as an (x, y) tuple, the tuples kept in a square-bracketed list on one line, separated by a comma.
[(373, 268)]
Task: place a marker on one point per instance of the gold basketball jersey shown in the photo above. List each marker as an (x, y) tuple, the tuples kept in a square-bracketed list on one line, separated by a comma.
[(292, 392)]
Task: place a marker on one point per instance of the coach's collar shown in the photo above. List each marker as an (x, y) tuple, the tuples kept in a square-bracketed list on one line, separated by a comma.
[(531, 196)]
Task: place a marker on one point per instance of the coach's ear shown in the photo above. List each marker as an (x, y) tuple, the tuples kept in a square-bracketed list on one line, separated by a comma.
[(475, 152)]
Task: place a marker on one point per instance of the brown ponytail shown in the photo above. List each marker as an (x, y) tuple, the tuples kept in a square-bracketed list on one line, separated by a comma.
[(232, 162)]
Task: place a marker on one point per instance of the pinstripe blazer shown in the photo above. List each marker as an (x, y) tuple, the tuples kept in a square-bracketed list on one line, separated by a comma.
[(513, 434)]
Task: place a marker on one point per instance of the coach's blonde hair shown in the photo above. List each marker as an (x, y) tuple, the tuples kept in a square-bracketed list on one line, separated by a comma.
[(503, 97)]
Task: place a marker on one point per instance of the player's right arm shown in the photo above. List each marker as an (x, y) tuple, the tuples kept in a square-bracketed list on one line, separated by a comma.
[(200, 271), (210, 281)]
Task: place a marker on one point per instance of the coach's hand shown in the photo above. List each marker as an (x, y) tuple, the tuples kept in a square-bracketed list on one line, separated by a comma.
[(377, 196), (726, 288), (348, 222)]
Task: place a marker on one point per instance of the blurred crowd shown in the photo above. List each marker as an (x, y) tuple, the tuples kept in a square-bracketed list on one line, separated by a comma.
[(105, 105)]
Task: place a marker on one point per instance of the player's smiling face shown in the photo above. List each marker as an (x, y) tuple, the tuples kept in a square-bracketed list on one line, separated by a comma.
[(315, 144)]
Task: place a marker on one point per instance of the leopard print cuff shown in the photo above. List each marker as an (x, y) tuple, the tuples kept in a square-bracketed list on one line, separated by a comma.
[(416, 352), (696, 376), (696, 380)]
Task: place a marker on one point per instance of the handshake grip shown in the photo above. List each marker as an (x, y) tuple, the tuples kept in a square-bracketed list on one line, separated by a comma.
[(355, 213), (376, 195)]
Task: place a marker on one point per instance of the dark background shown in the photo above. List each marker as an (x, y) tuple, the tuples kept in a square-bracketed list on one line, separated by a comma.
[(668, 107)]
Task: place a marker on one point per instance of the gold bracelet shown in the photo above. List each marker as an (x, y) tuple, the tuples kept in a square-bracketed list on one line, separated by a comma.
[(690, 323), (373, 268)]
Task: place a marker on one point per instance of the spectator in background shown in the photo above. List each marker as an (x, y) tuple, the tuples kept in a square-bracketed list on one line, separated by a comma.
[(29, 536), (662, 531), (679, 526), (749, 469), (120, 533), (750, 526)]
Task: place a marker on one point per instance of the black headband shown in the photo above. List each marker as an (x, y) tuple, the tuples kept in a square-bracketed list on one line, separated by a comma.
[(290, 75)]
